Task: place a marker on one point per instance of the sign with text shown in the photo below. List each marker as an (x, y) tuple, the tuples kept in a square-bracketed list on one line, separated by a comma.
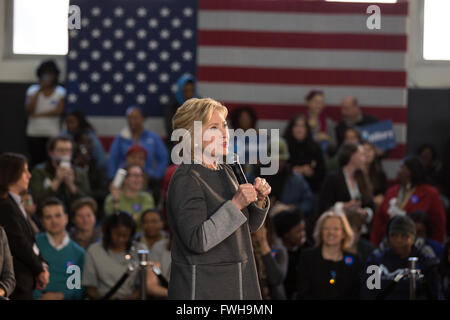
[(380, 134)]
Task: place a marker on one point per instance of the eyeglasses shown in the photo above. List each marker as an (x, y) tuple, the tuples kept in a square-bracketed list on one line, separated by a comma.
[(136, 175)]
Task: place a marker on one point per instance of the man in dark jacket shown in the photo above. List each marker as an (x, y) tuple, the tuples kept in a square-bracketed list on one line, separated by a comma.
[(393, 260), (30, 270), (352, 116)]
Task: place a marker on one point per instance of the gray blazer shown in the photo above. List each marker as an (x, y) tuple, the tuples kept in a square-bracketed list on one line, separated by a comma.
[(7, 279), (212, 253)]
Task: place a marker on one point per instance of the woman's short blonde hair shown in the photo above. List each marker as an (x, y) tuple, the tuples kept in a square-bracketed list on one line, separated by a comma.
[(348, 232), (196, 110)]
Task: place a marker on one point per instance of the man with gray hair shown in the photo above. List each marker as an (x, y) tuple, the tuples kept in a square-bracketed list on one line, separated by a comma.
[(351, 116)]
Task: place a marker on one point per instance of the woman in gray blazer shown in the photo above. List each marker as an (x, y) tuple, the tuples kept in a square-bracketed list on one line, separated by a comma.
[(209, 213), (7, 279)]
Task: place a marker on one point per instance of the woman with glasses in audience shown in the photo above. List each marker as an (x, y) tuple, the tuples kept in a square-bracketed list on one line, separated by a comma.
[(130, 196)]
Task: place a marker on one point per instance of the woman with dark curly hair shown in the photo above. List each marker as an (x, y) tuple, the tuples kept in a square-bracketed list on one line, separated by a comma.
[(106, 262), (44, 104)]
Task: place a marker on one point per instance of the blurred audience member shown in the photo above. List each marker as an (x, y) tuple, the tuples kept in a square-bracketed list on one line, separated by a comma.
[(245, 118), (130, 197), (155, 290), (290, 228), (161, 253), (106, 261), (164, 189), (76, 122), (329, 271), (137, 156), (288, 186), (29, 268), (351, 135), (57, 177), (360, 246), (44, 104), (424, 230), (60, 252), (444, 270), (322, 128), (433, 167), (349, 185), (30, 209), (411, 194), (351, 116), (271, 263), (152, 228), (186, 89), (84, 218), (393, 260), (306, 155), (135, 133), (375, 173), (96, 173), (7, 279)]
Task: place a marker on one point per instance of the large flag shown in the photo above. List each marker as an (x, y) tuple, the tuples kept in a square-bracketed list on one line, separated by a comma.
[(129, 52), (266, 54)]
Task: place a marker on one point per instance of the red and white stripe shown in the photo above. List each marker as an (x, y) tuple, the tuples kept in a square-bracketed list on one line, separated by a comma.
[(269, 54)]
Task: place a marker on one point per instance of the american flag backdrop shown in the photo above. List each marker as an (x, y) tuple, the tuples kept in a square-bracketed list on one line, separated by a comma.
[(263, 53)]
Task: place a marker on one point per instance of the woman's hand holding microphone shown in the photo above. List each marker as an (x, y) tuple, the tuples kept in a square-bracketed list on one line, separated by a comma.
[(248, 193)]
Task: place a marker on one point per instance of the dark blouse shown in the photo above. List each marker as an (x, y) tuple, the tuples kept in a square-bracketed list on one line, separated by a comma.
[(321, 279)]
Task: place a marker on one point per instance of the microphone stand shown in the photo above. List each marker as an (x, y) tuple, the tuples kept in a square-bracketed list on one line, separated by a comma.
[(143, 256), (412, 273)]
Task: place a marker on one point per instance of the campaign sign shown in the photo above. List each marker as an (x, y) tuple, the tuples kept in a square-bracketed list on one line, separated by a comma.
[(380, 134)]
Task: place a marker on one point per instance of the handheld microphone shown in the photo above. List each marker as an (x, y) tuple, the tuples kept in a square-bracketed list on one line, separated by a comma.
[(238, 172)]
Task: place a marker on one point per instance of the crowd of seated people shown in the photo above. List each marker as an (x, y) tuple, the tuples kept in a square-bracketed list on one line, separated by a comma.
[(333, 211)]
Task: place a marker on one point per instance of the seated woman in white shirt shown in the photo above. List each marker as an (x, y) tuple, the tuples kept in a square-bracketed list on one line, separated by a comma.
[(44, 104)]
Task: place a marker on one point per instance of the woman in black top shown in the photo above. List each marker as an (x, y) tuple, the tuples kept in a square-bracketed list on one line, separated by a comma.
[(349, 185), (305, 154), (328, 271)]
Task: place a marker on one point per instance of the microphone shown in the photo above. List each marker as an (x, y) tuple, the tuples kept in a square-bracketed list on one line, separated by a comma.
[(238, 172)]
